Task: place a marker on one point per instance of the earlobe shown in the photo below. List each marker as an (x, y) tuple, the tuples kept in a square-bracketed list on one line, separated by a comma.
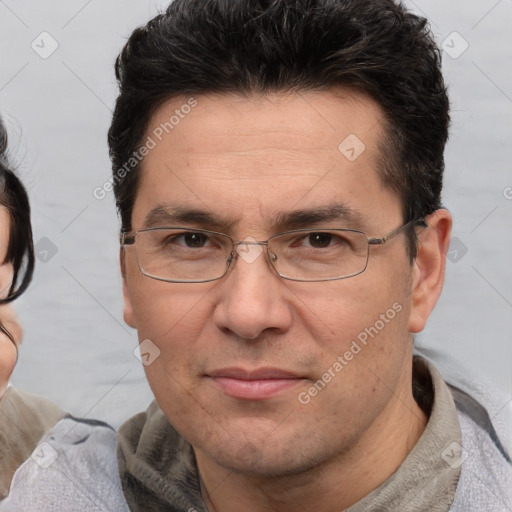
[(429, 268), (128, 315)]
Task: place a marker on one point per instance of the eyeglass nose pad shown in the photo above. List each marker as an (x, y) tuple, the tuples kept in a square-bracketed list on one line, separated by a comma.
[(273, 257)]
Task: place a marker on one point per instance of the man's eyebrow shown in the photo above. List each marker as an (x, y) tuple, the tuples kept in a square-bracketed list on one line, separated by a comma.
[(298, 219), (168, 215)]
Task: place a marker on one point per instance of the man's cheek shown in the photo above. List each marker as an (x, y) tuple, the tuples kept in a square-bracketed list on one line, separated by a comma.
[(171, 328)]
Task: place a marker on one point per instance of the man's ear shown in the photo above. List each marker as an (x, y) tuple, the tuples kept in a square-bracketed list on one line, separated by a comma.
[(128, 315), (429, 267)]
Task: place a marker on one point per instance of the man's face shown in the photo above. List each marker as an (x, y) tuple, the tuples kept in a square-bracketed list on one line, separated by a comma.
[(247, 163)]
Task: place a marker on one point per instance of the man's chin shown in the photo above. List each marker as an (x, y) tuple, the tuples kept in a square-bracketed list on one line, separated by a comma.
[(260, 458)]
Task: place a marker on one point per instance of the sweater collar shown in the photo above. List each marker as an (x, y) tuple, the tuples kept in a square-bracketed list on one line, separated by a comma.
[(427, 479)]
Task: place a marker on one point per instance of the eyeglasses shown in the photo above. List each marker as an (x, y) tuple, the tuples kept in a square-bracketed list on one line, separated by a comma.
[(184, 255)]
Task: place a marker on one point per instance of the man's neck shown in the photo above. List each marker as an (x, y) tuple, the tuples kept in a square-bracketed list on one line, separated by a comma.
[(333, 486)]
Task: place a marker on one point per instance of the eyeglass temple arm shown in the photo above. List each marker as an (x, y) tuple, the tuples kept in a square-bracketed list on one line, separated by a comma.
[(126, 239), (389, 236)]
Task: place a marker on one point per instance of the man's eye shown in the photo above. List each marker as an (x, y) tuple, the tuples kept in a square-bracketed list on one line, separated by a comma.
[(186, 240), (320, 240), (189, 239), (195, 239)]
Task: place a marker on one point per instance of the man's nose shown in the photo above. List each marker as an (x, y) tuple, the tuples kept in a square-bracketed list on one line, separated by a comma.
[(252, 298)]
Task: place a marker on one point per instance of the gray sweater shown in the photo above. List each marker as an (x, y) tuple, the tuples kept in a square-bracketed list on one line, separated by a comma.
[(457, 465)]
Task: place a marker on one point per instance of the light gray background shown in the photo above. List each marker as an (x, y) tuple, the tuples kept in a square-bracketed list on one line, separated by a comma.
[(77, 349)]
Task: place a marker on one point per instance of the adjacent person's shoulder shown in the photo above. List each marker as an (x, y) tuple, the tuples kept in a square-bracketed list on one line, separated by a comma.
[(24, 420), (73, 468)]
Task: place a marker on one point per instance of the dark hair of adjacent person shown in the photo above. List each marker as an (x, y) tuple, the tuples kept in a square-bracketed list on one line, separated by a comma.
[(261, 46), (20, 252)]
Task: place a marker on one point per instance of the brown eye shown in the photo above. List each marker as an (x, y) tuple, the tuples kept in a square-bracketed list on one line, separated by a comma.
[(320, 240), (195, 239)]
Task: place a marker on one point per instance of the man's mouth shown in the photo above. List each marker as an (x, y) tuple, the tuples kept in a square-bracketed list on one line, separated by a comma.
[(257, 384)]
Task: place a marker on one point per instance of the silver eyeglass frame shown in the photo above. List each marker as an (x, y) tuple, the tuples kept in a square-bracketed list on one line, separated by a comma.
[(130, 239)]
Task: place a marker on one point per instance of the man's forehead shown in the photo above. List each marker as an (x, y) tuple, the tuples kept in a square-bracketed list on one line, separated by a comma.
[(228, 137), (232, 154), (299, 112)]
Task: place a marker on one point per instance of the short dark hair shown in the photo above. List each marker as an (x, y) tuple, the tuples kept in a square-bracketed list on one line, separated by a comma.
[(20, 251), (261, 46)]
